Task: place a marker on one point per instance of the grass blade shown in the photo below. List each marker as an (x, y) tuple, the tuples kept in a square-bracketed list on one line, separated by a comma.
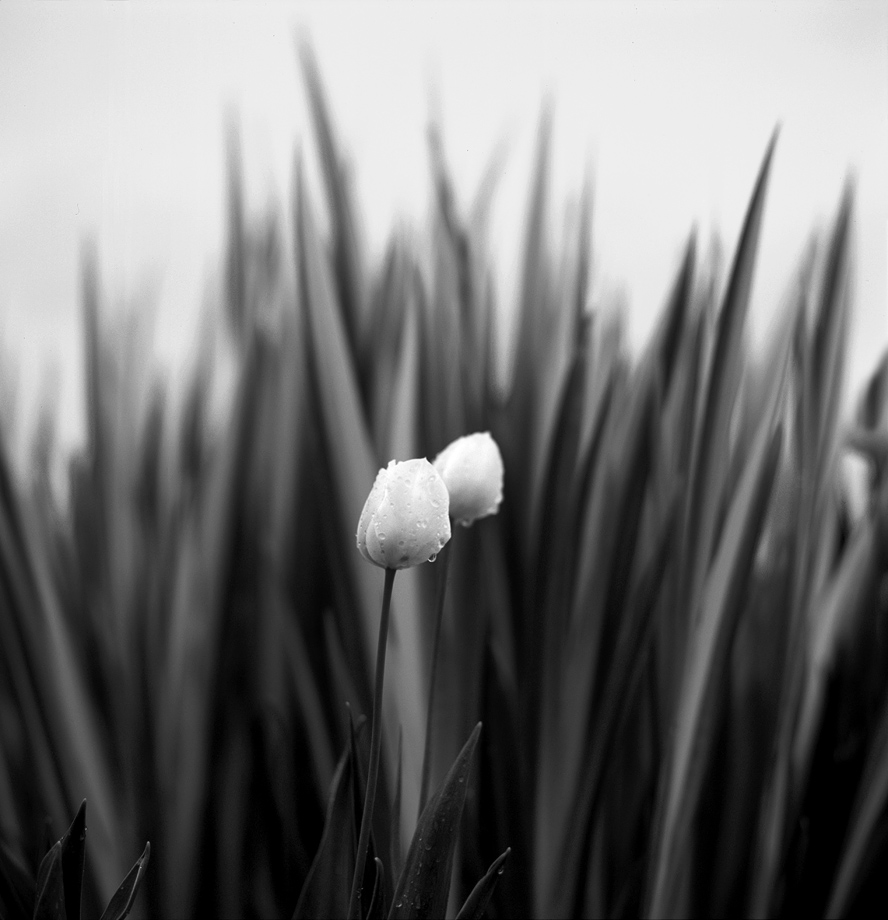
[(424, 884), (711, 644), (326, 889), (122, 902), (476, 903), (711, 450)]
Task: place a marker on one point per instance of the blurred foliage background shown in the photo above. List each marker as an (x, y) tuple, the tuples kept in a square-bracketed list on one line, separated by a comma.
[(673, 631)]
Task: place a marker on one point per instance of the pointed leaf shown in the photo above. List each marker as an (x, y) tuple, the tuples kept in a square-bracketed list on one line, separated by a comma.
[(73, 853), (346, 252), (50, 887), (121, 904), (476, 902), (348, 459), (326, 888), (707, 664), (711, 448), (376, 908), (424, 884)]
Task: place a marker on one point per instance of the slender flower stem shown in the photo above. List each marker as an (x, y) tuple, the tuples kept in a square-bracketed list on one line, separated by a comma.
[(441, 589), (375, 744)]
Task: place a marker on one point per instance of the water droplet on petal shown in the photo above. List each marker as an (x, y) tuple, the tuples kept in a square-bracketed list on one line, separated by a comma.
[(433, 557)]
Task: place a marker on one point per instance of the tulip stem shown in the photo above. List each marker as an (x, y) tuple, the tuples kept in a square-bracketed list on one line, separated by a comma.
[(441, 588), (375, 744)]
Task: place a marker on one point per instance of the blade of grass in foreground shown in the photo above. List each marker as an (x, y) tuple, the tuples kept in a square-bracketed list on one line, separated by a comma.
[(848, 597), (816, 454), (424, 884), (325, 892), (121, 904), (708, 655), (710, 464), (477, 901), (187, 707), (604, 569), (868, 809)]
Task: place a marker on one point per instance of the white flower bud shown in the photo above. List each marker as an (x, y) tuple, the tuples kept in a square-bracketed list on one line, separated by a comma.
[(472, 470), (406, 518)]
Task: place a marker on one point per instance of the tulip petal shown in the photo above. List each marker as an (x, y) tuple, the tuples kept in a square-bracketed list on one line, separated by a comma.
[(472, 470), (371, 506), (406, 519)]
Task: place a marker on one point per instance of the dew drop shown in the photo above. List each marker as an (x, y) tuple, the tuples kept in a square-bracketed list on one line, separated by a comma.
[(428, 846), (433, 557)]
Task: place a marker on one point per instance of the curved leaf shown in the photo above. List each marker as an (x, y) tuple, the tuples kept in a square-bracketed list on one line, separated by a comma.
[(476, 902), (326, 888), (711, 447), (121, 904), (424, 884), (722, 604), (50, 887), (73, 854)]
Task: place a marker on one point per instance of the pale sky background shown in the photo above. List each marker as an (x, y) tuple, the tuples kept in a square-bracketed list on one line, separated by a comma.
[(113, 119)]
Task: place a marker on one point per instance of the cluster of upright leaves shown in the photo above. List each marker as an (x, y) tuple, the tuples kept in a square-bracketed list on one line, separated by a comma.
[(671, 632), (56, 893), (399, 887)]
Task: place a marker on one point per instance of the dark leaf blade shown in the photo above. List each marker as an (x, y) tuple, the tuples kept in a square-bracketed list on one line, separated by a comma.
[(121, 904), (376, 909), (334, 396), (870, 805), (708, 655), (326, 889), (424, 884), (847, 599), (346, 252), (395, 834), (50, 887), (711, 443), (73, 854), (476, 902), (631, 653), (831, 331), (585, 659), (673, 324)]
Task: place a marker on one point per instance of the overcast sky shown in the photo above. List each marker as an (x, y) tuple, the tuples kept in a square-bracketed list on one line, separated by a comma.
[(113, 120)]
